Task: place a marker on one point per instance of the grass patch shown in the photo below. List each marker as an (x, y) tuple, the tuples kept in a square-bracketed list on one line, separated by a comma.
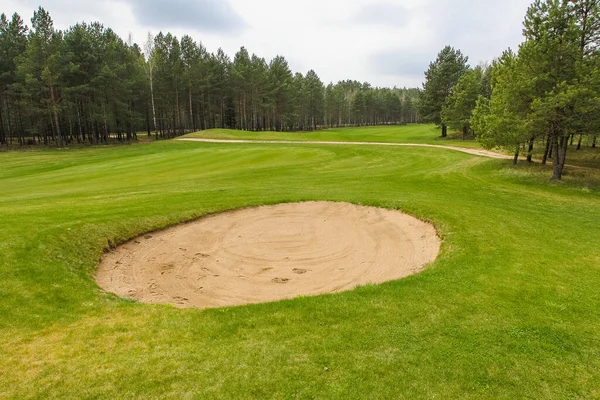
[(510, 309), (585, 157), (423, 134), (426, 134)]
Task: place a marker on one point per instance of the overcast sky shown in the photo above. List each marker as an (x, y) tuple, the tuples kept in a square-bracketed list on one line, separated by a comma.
[(387, 43)]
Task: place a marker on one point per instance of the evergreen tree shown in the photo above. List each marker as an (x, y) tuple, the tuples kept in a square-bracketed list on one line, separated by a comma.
[(457, 112), (502, 120), (440, 79), (13, 42), (315, 99), (550, 89), (87, 85)]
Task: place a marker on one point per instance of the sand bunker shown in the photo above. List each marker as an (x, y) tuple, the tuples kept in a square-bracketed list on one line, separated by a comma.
[(269, 253)]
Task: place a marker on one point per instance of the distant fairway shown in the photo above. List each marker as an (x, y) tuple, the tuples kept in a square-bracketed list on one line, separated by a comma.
[(510, 308), (421, 134), (387, 134)]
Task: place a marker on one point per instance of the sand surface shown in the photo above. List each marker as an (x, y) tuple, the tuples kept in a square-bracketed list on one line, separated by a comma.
[(269, 253)]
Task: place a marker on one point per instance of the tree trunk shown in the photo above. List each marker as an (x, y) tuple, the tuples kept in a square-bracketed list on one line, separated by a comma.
[(557, 174), (560, 151), (530, 150), (56, 121), (516, 157), (579, 142), (594, 142), (547, 152), (222, 113), (192, 120), (245, 111), (20, 118), (444, 130), (79, 125), (148, 119), (105, 135), (71, 131), (152, 97), (9, 131), (178, 125), (2, 134)]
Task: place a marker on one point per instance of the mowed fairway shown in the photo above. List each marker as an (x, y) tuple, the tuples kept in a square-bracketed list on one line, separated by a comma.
[(424, 134), (510, 309)]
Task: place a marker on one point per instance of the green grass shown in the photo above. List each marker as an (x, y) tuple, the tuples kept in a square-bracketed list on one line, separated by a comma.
[(423, 134), (510, 309), (427, 134), (585, 157)]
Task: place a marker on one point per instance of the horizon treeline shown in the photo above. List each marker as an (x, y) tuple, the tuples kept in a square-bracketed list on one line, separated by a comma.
[(86, 84)]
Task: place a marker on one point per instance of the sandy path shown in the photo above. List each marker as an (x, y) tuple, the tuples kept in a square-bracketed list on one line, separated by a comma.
[(269, 253), (477, 152)]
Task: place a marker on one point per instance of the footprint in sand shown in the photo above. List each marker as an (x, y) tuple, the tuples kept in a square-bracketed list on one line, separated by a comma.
[(299, 271)]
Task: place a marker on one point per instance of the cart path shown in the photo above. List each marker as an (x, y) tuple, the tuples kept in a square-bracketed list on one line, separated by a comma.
[(477, 152)]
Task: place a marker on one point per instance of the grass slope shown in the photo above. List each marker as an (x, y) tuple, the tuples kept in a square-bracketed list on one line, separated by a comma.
[(511, 308), (426, 134)]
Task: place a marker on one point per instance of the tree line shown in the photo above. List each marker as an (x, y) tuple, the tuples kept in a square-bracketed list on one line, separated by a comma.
[(87, 85), (547, 93)]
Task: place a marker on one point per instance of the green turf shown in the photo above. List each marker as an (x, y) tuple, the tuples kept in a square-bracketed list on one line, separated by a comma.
[(427, 134), (423, 134), (585, 156), (511, 308)]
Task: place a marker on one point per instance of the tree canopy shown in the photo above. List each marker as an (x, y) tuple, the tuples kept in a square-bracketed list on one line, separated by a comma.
[(550, 88), (440, 79), (87, 85), (458, 109)]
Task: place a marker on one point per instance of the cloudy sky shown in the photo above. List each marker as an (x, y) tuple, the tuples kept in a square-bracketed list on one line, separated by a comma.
[(387, 42)]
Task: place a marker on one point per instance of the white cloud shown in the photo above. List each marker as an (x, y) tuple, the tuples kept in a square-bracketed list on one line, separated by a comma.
[(204, 15), (382, 14)]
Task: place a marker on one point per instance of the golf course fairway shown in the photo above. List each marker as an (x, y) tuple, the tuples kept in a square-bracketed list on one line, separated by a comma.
[(509, 309)]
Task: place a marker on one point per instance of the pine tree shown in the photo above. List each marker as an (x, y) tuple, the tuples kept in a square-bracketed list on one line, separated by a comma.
[(440, 79), (457, 112)]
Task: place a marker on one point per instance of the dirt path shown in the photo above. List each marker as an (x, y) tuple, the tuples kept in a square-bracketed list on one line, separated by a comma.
[(477, 152), (269, 253)]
